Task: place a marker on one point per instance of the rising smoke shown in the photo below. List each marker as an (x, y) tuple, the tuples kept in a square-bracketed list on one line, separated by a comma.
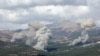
[(28, 36), (43, 35), (85, 26), (36, 31)]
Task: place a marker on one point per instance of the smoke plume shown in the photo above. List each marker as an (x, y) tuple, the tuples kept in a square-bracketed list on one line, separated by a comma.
[(85, 26), (27, 36), (43, 35), (37, 32)]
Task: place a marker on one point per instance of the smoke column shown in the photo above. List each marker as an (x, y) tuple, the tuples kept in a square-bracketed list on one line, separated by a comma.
[(37, 32), (33, 28), (28, 36), (85, 26), (43, 35)]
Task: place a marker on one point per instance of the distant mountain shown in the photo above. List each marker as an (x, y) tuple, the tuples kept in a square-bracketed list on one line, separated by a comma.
[(19, 30), (67, 29), (5, 35), (60, 30), (64, 29), (64, 25)]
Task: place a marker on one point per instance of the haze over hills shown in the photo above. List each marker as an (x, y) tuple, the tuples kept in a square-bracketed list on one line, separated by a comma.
[(61, 30), (63, 33), (67, 29), (63, 27)]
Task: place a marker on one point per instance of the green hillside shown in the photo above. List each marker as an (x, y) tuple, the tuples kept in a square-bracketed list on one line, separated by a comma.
[(64, 50), (54, 49), (13, 49)]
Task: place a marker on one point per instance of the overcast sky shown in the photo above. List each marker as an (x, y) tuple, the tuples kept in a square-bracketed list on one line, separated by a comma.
[(15, 14)]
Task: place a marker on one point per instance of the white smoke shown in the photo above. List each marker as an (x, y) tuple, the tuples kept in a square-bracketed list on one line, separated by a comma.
[(18, 36), (85, 25), (33, 28), (37, 32), (43, 35), (28, 35)]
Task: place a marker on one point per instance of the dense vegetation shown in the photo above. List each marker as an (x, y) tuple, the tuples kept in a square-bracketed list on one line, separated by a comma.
[(64, 50), (54, 49), (13, 49)]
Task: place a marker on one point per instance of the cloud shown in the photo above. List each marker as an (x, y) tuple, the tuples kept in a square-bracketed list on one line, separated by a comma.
[(25, 11), (49, 14), (13, 4), (11, 26), (94, 6), (45, 13)]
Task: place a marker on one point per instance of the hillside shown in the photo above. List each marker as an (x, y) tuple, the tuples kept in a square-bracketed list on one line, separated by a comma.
[(64, 50), (5, 35), (54, 49), (64, 25), (14, 49), (61, 31), (70, 30)]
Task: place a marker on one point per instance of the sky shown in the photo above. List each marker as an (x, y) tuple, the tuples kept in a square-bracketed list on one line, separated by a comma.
[(16, 14)]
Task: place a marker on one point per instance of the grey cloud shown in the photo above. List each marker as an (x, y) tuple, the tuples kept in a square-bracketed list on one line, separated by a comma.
[(26, 15), (43, 13), (94, 6), (10, 4), (12, 26)]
